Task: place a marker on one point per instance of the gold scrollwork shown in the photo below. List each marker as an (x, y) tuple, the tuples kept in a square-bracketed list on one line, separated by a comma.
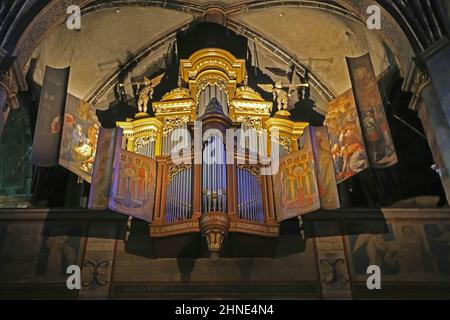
[(174, 170), (252, 107), (252, 122), (284, 142), (212, 80), (421, 80), (171, 123), (254, 170), (141, 142)]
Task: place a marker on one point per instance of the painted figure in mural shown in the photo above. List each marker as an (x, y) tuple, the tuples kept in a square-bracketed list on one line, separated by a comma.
[(348, 151), (83, 110), (80, 147), (412, 251), (374, 134), (326, 167), (289, 181), (55, 126), (78, 137), (92, 134), (141, 180), (60, 254), (337, 159), (125, 177), (439, 237), (379, 251), (88, 164), (298, 180), (377, 134)]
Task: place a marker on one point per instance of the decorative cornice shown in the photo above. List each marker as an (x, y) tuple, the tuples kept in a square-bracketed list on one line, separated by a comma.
[(417, 80)]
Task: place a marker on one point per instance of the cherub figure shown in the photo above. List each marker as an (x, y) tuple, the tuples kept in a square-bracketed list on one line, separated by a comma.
[(280, 95), (147, 92)]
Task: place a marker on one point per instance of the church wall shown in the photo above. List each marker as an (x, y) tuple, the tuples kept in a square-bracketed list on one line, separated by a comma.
[(412, 246)]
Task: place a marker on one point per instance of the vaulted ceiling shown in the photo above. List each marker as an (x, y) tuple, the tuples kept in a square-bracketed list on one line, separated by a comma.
[(316, 38)]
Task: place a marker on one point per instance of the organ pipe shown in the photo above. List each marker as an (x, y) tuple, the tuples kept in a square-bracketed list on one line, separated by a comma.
[(250, 205)]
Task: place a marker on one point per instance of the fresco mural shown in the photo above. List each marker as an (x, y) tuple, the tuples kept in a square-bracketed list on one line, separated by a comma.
[(346, 139), (326, 181), (407, 252), (377, 135), (133, 186), (79, 138), (295, 184), (438, 236)]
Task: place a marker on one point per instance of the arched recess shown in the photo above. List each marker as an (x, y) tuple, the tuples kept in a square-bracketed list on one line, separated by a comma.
[(55, 12), (105, 85)]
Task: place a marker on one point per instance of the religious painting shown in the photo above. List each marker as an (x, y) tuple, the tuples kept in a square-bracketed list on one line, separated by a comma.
[(378, 140), (295, 185), (47, 135), (79, 138), (374, 249), (412, 249), (326, 180), (402, 252), (133, 185), (56, 254), (103, 168), (346, 138), (438, 236)]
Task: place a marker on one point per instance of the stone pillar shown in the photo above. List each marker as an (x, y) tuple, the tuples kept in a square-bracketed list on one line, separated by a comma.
[(334, 274), (98, 261), (4, 110), (437, 59), (428, 104)]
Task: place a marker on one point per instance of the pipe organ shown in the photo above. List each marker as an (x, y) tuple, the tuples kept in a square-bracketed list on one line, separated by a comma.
[(212, 187)]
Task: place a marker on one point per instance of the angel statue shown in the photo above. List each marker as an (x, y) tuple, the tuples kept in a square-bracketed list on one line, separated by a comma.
[(146, 93), (280, 95)]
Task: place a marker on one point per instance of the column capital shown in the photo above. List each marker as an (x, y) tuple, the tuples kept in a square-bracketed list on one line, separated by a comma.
[(418, 79), (8, 82)]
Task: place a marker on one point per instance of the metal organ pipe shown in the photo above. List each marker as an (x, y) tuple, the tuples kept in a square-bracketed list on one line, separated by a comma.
[(249, 196), (209, 92), (179, 198), (214, 175)]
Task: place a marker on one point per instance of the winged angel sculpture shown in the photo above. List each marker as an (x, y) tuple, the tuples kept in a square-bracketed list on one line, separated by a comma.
[(280, 95), (146, 93)]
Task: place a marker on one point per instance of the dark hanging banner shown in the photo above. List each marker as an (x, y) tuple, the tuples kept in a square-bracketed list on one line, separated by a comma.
[(47, 135), (377, 136)]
